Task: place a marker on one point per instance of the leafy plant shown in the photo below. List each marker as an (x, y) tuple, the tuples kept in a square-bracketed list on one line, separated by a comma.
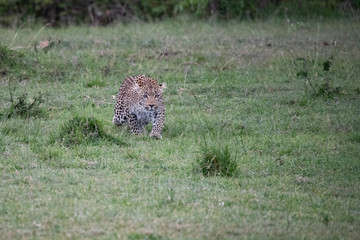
[(23, 107), (320, 86), (326, 90)]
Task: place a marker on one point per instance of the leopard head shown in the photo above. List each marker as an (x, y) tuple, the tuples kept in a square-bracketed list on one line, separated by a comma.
[(150, 93)]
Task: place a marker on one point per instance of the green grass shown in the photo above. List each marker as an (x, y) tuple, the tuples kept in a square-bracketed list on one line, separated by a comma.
[(297, 154)]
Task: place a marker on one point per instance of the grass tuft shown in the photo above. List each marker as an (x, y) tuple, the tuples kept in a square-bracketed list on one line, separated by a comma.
[(84, 130), (216, 160), (8, 58)]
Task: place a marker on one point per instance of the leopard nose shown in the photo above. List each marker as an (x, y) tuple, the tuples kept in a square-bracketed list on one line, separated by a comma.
[(151, 105)]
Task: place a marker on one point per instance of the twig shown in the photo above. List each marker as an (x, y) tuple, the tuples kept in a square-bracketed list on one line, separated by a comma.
[(221, 69), (33, 103), (317, 45), (227, 63), (196, 100), (312, 86), (11, 95)]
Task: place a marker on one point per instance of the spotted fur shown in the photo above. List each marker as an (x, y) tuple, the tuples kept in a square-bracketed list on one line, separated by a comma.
[(140, 102)]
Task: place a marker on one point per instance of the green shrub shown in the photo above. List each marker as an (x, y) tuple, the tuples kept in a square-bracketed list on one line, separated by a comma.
[(24, 108)]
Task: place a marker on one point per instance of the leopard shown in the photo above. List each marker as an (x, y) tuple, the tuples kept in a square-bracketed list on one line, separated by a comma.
[(140, 102)]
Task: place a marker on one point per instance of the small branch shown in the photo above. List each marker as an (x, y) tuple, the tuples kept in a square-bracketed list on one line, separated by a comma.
[(227, 63), (312, 86), (11, 95), (196, 100), (221, 69)]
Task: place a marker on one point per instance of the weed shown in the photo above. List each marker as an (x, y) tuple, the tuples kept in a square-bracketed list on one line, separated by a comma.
[(25, 108), (328, 91), (324, 89), (327, 63)]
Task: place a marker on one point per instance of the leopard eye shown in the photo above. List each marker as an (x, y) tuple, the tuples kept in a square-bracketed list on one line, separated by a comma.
[(157, 96), (145, 96)]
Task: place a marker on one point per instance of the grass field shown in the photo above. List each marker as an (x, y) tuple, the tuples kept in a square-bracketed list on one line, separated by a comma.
[(270, 93)]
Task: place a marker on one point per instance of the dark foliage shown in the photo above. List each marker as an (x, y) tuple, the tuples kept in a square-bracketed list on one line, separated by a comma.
[(328, 63), (102, 12), (321, 87)]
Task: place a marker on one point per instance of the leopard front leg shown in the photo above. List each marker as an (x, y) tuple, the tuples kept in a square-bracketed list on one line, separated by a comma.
[(135, 126), (119, 120), (120, 113), (158, 124)]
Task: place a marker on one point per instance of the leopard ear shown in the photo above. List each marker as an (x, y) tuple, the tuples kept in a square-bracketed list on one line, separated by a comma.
[(162, 86)]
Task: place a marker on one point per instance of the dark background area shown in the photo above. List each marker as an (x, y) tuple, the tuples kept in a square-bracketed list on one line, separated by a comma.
[(103, 12)]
